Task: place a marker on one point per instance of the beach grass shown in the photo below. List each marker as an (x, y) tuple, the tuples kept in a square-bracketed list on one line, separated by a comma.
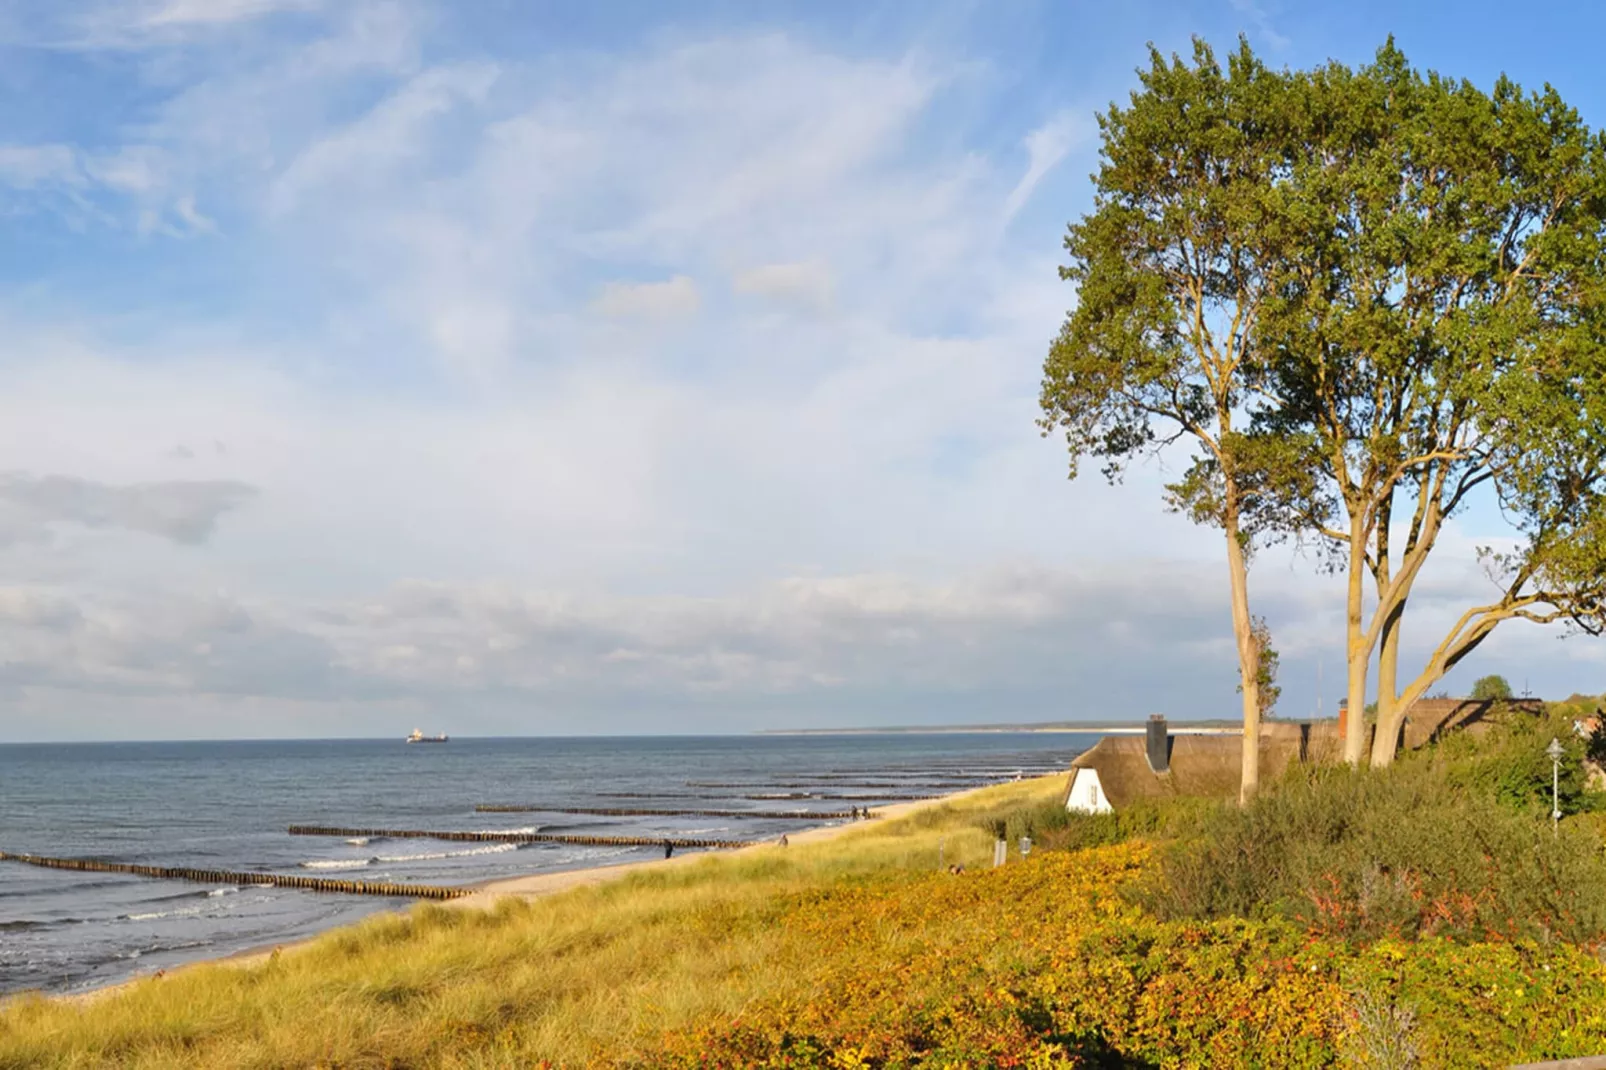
[(595, 974)]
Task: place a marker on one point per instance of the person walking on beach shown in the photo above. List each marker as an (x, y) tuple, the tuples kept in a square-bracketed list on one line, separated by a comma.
[(669, 848)]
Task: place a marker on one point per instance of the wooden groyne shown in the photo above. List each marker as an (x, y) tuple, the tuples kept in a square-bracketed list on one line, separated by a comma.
[(929, 774), (223, 876), (867, 785), (603, 811), (774, 796), (515, 837)]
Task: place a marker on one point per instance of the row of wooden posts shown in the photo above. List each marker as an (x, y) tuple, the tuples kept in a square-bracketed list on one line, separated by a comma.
[(512, 837), (223, 876), (874, 796), (424, 891), (602, 811)]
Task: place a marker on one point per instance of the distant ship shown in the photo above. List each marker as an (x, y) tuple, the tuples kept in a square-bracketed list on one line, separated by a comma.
[(419, 737)]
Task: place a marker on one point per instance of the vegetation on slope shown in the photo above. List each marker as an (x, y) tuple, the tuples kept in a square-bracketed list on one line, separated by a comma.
[(1423, 915), (1454, 841), (594, 974)]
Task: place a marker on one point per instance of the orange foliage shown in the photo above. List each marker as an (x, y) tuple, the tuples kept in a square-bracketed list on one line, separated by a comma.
[(1043, 963)]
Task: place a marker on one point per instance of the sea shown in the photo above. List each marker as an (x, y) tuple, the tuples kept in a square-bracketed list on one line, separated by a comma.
[(228, 805)]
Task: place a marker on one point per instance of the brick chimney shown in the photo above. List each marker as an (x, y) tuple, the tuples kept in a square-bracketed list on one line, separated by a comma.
[(1158, 744)]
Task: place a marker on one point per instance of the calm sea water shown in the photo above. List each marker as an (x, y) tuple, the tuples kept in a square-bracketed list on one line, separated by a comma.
[(227, 805)]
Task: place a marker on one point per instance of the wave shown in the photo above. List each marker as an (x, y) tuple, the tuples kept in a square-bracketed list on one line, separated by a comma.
[(488, 849), (428, 856), (153, 915), (23, 926), (358, 841)]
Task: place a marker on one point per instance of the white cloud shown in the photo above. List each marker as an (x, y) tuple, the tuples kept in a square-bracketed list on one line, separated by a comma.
[(140, 170), (807, 285), (487, 478), (212, 12), (1260, 19), (94, 186), (858, 637), (1046, 146), (183, 511), (672, 299), (144, 24), (32, 166), (1018, 643), (392, 134), (184, 208)]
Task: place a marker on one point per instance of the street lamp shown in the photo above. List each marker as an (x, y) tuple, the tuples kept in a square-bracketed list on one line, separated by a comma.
[(1556, 752)]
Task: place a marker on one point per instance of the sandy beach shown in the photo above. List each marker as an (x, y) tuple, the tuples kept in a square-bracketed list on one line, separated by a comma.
[(540, 884), (536, 885)]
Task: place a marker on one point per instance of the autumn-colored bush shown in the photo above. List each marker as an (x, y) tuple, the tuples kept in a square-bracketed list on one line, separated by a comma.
[(1043, 963)]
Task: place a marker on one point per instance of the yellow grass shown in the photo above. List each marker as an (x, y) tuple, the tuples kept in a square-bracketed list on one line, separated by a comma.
[(595, 973)]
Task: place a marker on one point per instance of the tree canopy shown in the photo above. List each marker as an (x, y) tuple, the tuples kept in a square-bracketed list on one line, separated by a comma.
[(1369, 298), (1170, 268), (1491, 687), (1438, 337)]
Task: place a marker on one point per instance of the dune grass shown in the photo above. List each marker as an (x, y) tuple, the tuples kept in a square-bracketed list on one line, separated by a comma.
[(597, 974), (1171, 934)]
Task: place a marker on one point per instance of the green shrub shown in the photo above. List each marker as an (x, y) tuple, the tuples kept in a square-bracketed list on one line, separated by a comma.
[(1508, 762), (1052, 827), (1488, 687), (1400, 852)]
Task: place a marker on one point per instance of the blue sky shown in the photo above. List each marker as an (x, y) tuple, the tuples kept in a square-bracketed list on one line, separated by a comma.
[(561, 368)]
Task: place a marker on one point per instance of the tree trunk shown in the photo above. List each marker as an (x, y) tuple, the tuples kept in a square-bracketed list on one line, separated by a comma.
[(1248, 656), (1390, 712), (1357, 652)]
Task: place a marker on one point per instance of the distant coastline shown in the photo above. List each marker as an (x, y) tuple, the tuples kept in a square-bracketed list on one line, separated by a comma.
[(1198, 728)]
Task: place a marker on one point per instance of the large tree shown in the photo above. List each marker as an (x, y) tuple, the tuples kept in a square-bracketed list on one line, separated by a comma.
[(1438, 340), (1367, 299), (1171, 268)]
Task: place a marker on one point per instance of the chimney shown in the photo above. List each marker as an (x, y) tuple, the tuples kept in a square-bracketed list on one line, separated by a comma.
[(1158, 747)]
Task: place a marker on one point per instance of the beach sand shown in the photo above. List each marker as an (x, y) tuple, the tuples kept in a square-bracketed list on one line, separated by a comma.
[(537, 885), (540, 884)]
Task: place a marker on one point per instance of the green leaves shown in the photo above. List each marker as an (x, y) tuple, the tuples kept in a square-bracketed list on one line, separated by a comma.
[(1168, 268), (1367, 297)]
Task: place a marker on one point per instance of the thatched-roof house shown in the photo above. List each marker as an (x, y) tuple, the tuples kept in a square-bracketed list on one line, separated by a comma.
[(1430, 718), (1119, 770)]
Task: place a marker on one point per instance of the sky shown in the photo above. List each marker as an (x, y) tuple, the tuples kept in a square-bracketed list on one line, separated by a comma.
[(504, 368)]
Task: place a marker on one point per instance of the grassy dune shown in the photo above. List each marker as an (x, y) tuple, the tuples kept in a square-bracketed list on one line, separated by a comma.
[(596, 974), (1427, 916)]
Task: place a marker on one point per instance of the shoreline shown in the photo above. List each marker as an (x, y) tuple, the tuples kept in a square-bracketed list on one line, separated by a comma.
[(486, 894)]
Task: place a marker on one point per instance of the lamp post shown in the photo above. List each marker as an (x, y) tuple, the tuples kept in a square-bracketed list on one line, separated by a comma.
[(1556, 752)]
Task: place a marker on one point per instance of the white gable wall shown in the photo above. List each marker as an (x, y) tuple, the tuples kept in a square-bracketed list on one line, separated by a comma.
[(1087, 794)]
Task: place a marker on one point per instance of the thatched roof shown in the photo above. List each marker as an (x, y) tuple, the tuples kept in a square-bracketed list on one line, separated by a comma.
[(1430, 718), (1210, 765), (1203, 765)]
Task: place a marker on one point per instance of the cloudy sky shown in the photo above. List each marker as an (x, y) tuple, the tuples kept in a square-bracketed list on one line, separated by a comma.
[(514, 368)]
